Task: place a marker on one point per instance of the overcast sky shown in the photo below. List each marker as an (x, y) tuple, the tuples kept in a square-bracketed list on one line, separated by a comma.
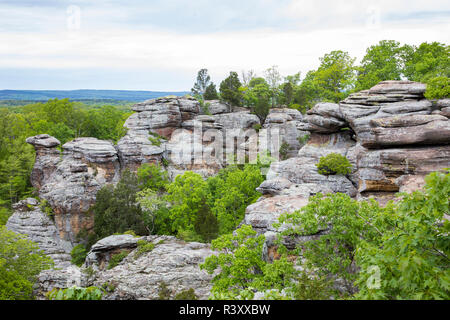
[(160, 45)]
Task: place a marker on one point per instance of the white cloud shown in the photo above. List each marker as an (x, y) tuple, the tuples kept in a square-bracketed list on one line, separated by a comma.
[(317, 28)]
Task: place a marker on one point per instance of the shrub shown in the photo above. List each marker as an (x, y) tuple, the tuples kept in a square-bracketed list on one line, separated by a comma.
[(206, 224), (117, 258), (164, 292), (78, 254), (21, 261), (334, 163), (257, 127), (284, 151), (186, 295), (75, 293), (303, 139)]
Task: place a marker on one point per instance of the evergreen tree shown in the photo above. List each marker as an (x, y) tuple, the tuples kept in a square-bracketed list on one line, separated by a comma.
[(229, 89), (206, 224), (203, 81), (211, 92)]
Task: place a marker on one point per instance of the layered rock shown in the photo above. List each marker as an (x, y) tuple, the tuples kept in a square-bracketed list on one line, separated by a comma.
[(391, 134), (172, 262), (69, 181)]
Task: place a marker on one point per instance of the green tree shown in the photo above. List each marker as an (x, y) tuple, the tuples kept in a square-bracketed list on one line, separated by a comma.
[(273, 78), (335, 75), (229, 89), (116, 209), (383, 61), (438, 88), (186, 195), (211, 92), (427, 61), (152, 176), (206, 224), (203, 81), (21, 261)]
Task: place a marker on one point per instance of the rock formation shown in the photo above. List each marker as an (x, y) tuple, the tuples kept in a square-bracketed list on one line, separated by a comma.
[(391, 134)]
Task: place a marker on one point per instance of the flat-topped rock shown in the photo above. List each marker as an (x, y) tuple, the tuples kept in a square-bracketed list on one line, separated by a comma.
[(43, 140)]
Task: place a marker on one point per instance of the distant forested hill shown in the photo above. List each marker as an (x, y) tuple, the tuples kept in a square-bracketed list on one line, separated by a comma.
[(79, 95)]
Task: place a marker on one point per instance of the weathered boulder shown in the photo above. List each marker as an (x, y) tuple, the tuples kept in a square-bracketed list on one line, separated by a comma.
[(172, 262)]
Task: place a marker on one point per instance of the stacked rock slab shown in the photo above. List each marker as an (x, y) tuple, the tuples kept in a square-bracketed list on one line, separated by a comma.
[(28, 219), (69, 180), (189, 137), (391, 134), (172, 262)]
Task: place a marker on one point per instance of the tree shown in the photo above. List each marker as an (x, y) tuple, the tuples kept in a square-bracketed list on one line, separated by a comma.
[(211, 92), (383, 61), (229, 89), (186, 195), (153, 177), (335, 75), (21, 261), (116, 209), (203, 80), (428, 61), (247, 76), (206, 224), (438, 88)]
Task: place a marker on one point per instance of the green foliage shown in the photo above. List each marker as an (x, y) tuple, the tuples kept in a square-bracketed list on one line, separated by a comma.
[(75, 293), (284, 151), (258, 97), (21, 261), (334, 163), (186, 295), (229, 89), (383, 61), (438, 88), (116, 209), (303, 139), (46, 208), (78, 254), (257, 127), (211, 92), (412, 253), (429, 60), (400, 251), (143, 247), (153, 177), (204, 106), (242, 268), (241, 265), (155, 141), (186, 194), (206, 224), (117, 258)]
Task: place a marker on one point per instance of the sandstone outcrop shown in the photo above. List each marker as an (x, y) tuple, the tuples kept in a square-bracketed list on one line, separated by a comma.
[(391, 134), (69, 180), (29, 219), (172, 262)]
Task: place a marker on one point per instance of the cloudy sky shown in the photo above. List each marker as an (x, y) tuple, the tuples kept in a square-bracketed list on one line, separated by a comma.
[(160, 45)]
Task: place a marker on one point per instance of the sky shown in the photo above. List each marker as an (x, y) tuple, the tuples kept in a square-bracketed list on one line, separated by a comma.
[(160, 45)]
